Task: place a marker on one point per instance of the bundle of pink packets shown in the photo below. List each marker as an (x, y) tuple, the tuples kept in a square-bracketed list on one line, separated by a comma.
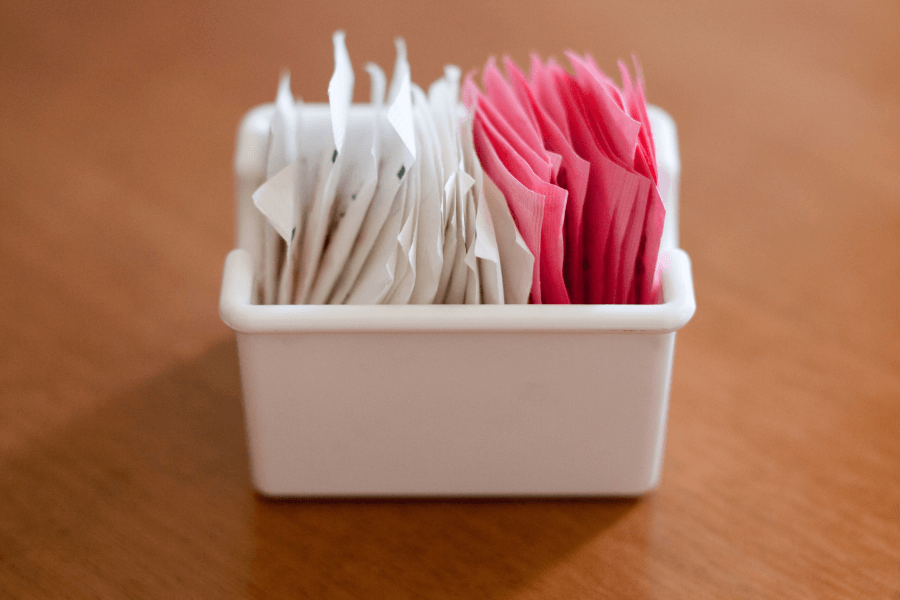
[(573, 155)]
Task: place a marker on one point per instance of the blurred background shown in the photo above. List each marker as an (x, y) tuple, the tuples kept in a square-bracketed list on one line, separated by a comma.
[(123, 468)]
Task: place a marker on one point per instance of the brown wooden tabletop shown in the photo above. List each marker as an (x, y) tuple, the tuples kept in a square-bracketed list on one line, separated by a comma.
[(123, 463)]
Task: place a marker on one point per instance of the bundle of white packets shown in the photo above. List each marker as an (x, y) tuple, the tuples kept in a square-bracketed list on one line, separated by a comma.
[(384, 203)]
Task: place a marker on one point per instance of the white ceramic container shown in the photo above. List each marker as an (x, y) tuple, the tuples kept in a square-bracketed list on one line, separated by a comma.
[(429, 401)]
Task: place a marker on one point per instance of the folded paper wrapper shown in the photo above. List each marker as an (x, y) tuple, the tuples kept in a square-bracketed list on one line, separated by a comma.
[(452, 400)]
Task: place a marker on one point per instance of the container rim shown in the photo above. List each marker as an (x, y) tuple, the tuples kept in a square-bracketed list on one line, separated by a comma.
[(237, 310)]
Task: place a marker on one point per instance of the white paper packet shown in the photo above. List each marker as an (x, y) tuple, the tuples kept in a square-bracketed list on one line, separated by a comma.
[(429, 229), (278, 208), (448, 253), (322, 215), (516, 261), (305, 182), (405, 247), (400, 115), (275, 198), (369, 274), (336, 261), (473, 279), (456, 286), (443, 96), (490, 271), (376, 277)]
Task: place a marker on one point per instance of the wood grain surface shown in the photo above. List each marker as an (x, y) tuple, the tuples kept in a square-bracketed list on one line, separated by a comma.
[(123, 464)]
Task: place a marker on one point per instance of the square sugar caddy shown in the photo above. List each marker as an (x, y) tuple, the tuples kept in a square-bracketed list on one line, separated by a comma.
[(439, 400)]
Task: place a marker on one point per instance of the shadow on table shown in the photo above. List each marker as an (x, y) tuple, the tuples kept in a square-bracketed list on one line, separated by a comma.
[(136, 495), (418, 548), (150, 492)]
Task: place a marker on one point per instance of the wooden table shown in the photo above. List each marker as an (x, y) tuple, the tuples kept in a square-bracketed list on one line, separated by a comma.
[(123, 465)]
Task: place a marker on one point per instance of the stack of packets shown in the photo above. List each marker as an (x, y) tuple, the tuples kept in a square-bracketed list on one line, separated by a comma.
[(539, 190)]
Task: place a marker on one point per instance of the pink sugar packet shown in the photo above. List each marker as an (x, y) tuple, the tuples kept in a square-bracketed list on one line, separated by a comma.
[(545, 92), (573, 176), (615, 128), (648, 289), (553, 285), (531, 166), (638, 217), (525, 206), (498, 115), (500, 92), (604, 181)]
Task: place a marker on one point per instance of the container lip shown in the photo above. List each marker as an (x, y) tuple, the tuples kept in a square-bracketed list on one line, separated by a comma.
[(242, 316)]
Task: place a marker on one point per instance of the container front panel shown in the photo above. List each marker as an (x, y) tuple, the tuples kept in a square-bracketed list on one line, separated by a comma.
[(434, 414)]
